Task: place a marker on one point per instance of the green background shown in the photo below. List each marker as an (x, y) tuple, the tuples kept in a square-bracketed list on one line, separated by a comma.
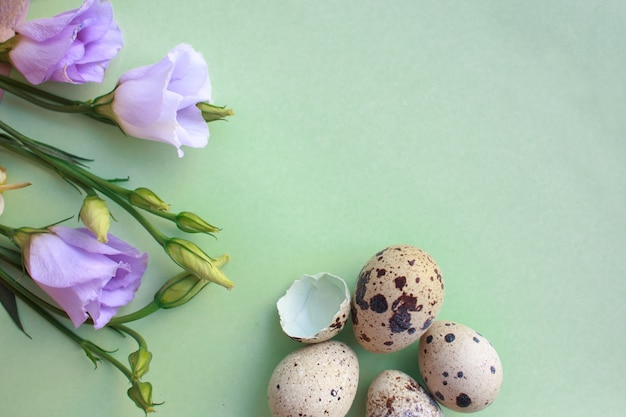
[(490, 134)]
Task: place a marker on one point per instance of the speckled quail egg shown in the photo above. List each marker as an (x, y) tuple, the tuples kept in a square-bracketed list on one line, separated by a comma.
[(459, 366), (398, 294), (316, 380), (315, 308), (394, 393)]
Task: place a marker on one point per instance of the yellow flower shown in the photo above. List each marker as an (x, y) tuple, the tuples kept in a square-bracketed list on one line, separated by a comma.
[(4, 186)]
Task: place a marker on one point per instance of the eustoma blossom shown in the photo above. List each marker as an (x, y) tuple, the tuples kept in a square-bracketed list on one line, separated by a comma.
[(85, 277), (89, 273), (74, 46), (160, 102)]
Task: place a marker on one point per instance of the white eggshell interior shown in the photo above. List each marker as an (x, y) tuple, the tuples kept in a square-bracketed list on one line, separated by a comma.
[(311, 303)]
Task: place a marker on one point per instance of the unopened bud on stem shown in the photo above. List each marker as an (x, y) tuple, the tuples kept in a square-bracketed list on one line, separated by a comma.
[(96, 217), (147, 199), (183, 287), (191, 258)]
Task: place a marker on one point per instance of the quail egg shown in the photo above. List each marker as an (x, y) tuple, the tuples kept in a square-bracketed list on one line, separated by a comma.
[(459, 366), (398, 294), (394, 393), (316, 380)]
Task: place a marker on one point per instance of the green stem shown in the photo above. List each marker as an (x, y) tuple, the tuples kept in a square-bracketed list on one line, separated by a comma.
[(132, 333), (82, 177), (10, 85), (6, 231), (11, 256), (42, 98), (75, 167), (103, 354), (50, 101), (139, 314)]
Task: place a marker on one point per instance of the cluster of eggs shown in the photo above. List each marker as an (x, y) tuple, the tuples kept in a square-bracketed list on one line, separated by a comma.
[(397, 297)]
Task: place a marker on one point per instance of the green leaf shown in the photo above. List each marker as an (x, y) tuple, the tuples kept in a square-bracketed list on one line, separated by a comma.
[(7, 298), (33, 146)]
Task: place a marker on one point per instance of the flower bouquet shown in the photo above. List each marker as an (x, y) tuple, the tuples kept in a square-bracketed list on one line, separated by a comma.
[(85, 275)]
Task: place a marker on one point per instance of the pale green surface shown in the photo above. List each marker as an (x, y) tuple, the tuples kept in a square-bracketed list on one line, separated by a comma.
[(490, 134)]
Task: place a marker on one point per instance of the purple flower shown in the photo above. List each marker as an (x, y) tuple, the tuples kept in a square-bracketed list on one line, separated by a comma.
[(159, 102), (85, 277), (74, 47)]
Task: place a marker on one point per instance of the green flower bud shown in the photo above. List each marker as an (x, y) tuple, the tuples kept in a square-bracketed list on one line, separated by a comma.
[(141, 393), (147, 199), (211, 113), (140, 362), (192, 223), (183, 287), (178, 290), (191, 258), (96, 217)]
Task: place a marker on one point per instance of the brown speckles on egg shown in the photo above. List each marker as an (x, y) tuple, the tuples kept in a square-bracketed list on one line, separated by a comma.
[(338, 323), (378, 303), (400, 282), (468, 363), (427, 323), (361, 287), (390, 296), (463, 400), (402, 307), (394, 393)]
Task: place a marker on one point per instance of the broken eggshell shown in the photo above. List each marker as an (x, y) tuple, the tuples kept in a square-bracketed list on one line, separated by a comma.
[(315, 308)]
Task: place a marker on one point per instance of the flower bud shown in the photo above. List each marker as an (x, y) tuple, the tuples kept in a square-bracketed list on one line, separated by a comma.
[(147, 199), (178, 290), (141, 393), (95, 215), (211, 113), (192, 223), (140, 362), (183, 287), (191, 258)]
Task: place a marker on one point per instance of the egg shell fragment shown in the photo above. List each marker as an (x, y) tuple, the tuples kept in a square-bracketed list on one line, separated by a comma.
[(316, 380), (315, 308), (394, 393), (398, 294), (459, 366)]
